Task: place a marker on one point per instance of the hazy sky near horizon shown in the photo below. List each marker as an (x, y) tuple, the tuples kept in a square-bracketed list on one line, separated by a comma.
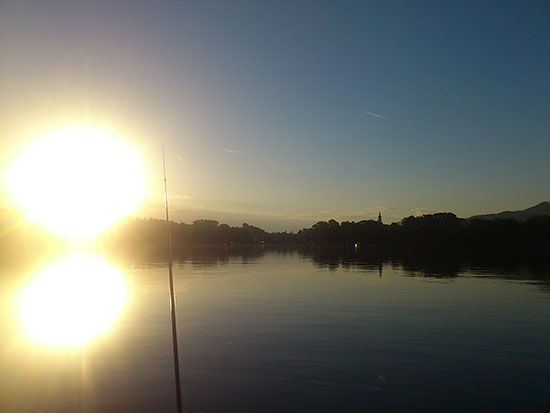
[(284, 113)]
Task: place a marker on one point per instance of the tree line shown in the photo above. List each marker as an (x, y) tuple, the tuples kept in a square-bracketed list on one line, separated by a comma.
[(147, 237), (440, 228)]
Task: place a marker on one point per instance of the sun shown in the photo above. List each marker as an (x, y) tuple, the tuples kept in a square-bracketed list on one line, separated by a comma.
[(71, 302), (76, 182)]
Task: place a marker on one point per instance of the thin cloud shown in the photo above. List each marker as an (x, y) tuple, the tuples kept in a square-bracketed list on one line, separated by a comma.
[(374, 114), (422, 211), (231, 151)]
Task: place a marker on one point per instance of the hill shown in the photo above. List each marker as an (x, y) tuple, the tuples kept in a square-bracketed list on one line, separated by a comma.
[(522, 215)]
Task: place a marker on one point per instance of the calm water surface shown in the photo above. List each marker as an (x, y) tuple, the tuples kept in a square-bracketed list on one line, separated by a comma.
[(287, 331)]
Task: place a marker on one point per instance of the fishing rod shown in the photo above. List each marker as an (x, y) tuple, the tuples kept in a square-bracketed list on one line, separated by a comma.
[(172, 295)]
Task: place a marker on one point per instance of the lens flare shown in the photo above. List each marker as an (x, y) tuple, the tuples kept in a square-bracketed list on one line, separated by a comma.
[(71, 302), (76, 182)]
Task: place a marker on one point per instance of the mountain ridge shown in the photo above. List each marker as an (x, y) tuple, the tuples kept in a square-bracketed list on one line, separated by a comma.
[(542, 208)]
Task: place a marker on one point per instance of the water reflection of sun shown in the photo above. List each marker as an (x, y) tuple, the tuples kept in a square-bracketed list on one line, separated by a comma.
[(71, 302)]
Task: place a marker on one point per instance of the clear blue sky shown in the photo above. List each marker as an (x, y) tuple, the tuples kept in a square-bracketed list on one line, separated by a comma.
[(263, 105)]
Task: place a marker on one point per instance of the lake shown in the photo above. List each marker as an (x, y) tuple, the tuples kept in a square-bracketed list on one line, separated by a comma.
[(286, 330)]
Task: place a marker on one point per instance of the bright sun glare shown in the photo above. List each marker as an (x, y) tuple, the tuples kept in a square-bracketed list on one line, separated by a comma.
[(71, 302), (76, 182)]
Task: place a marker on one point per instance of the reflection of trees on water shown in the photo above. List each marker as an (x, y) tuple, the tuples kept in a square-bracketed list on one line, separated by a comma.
[(201, 256), (511, 264), (524, 264), (346, 258), (431, 262), (195, 256)]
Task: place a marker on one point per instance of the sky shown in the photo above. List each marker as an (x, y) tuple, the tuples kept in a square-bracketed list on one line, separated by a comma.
[(281, 114)]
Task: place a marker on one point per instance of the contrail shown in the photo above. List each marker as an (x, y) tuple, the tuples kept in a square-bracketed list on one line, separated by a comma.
[(231, 151), (180, 158), (374, 114)]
